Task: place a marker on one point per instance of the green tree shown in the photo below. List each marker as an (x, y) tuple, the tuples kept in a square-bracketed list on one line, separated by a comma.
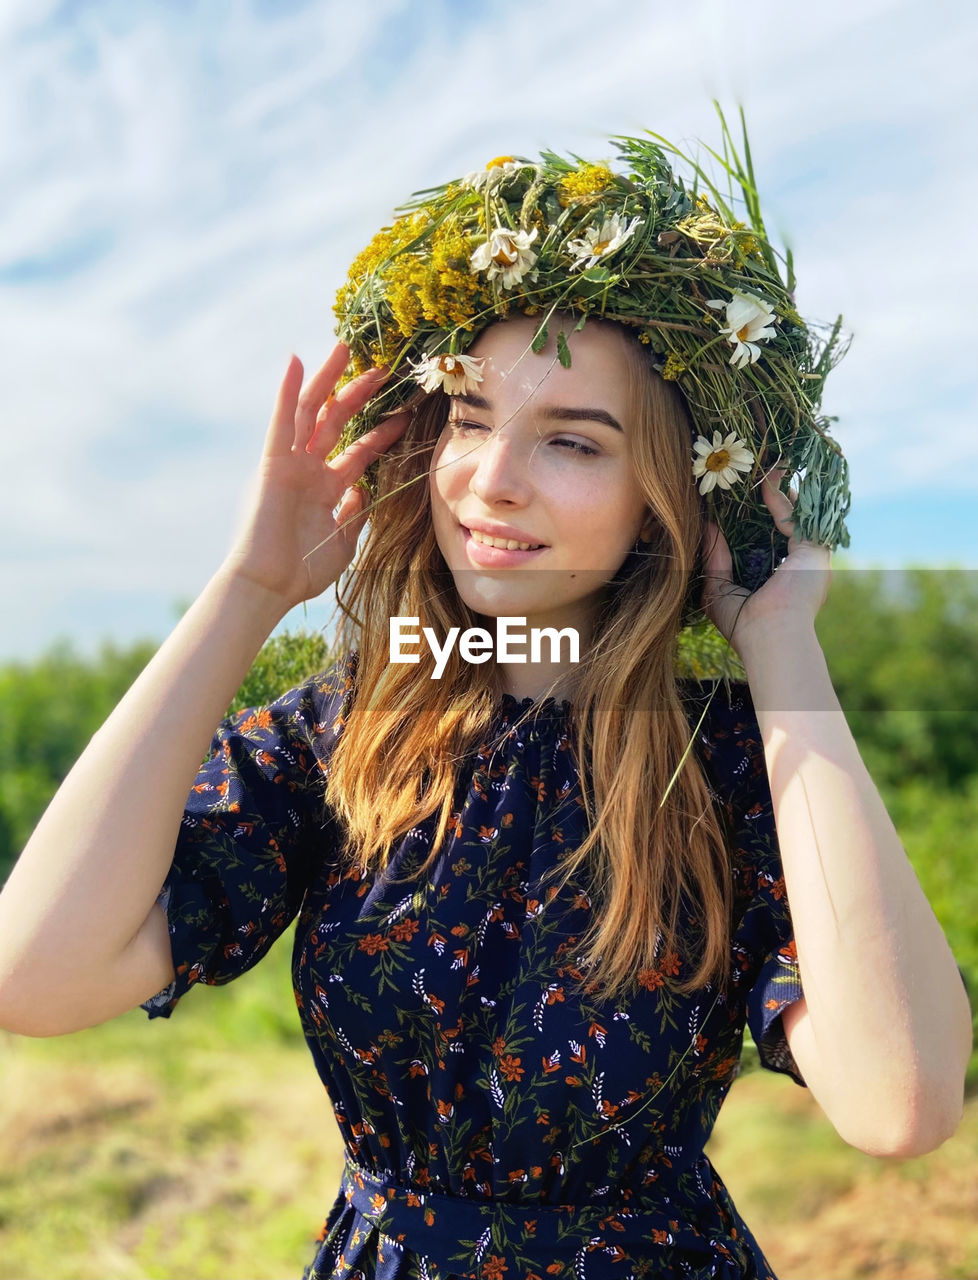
[(901, 647)]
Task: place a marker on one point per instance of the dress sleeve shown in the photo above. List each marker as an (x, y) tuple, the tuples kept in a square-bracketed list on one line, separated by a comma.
[(254, 833), (765, 962)]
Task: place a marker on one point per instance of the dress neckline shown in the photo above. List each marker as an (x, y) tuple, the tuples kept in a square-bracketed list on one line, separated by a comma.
[(548, 707)]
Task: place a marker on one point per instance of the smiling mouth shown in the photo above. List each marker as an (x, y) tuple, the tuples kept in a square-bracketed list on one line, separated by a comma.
[(503, 544)]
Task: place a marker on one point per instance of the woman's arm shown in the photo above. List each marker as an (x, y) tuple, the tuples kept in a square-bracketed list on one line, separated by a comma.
[(81, 938), (883, 1033)]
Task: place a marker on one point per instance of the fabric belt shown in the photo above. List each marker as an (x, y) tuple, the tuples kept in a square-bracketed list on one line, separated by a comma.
[(495, 1240)]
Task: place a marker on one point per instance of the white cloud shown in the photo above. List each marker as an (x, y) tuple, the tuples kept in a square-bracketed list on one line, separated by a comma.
[(223, 168)]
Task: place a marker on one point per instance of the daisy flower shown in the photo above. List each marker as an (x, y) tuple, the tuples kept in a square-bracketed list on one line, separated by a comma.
[(455, 375), (506, 255), (749, 321), (720, 461), (600, 242), (496, 172)]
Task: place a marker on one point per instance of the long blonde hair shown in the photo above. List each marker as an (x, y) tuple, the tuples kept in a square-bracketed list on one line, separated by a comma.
[(650, 845)]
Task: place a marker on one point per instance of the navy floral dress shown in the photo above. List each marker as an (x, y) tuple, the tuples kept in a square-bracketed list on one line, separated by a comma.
[(498, 1123)]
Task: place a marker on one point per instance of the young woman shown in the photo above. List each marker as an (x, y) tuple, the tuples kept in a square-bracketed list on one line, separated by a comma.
[(537, 900)]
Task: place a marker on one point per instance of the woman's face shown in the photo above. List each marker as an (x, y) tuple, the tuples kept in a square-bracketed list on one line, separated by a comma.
[(539, 454)]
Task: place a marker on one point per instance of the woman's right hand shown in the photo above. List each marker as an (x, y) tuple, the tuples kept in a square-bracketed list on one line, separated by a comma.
[(305, 517)]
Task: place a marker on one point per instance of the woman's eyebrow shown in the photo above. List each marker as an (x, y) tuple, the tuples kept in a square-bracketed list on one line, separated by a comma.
[(474, 402), (557, 413), (561, 414)]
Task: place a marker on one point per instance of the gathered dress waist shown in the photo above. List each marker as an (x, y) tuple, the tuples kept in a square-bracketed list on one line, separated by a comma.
[(484, 1239)]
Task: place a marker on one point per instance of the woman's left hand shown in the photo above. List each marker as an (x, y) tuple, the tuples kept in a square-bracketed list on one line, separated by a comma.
[(792, 595)]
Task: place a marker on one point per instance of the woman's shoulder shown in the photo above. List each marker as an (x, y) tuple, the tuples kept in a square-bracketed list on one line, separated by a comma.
[(312, 712)]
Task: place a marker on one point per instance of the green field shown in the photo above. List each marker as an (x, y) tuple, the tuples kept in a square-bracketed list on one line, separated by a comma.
[(204, 1147)]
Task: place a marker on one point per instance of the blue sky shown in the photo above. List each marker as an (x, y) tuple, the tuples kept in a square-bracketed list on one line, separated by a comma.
[(184, 185)]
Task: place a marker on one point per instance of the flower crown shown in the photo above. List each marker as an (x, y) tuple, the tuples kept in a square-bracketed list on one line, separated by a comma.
[(664, 256)]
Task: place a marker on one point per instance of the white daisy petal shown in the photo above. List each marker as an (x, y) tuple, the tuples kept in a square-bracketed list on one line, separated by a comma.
[(720, 463), (749, 320), (453, 374), (599, 242), (506, 256)]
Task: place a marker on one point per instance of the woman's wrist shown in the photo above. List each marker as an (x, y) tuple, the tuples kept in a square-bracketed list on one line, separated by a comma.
[(263, 605), (786, 668), (763, 640)]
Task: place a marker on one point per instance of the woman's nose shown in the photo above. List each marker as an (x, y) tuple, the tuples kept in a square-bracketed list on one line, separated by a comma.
[(500, 468)]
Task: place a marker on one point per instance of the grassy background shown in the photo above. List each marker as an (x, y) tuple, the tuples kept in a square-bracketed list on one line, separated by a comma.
[(205, 1147)]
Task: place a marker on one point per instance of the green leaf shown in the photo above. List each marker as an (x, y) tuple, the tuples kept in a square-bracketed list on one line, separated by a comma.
[(563, 350), (598, 275), (539, 339)]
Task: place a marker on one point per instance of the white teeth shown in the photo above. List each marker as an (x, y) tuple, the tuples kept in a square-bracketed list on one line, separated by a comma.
[(504, 544)]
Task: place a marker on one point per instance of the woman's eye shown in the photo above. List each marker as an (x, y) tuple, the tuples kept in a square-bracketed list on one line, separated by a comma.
[(463, 426), (578, 446)]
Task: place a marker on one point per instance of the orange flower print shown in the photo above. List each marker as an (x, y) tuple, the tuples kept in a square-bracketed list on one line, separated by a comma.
[(260, 720), (510, 1067), (650, 979), (670, 964), (493, 1267), (373, 943), (499, 1046), (404, 930)]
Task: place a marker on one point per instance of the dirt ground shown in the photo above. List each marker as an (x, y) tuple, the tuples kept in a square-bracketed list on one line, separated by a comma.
[(183, 1160)]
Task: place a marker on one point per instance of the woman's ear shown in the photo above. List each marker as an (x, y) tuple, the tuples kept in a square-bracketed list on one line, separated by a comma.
[(649, 526)]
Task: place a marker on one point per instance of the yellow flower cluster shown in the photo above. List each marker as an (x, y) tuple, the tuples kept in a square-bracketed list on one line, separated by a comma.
[(708, 228), (452, 293), (387, 242), (584, 184), (746, 244), (674, 366), (705, 227), (385, 245), (437, 284)]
